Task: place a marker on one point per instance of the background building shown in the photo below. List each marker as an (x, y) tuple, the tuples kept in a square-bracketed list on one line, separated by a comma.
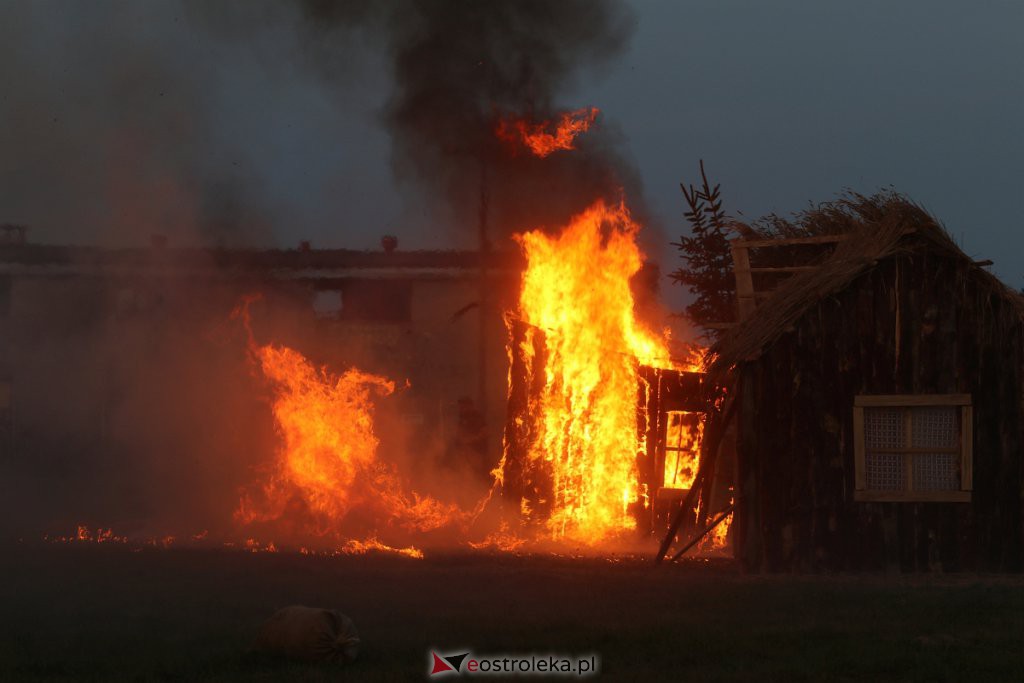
[(124, 380)]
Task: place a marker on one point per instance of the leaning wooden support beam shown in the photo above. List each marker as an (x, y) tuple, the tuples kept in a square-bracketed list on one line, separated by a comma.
[(681, 513), (707, 530), (690, 506), (714, 431)]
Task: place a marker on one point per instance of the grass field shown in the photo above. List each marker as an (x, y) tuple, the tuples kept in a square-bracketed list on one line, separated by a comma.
[(105, 613)]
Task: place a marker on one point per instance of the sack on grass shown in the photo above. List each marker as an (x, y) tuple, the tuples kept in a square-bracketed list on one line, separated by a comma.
[(308, 634)]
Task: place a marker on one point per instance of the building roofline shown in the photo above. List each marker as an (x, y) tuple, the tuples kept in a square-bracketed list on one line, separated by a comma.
[(905, 228), (38, 259)]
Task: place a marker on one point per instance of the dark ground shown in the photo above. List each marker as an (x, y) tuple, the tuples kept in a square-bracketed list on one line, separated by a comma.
[(106, 613)]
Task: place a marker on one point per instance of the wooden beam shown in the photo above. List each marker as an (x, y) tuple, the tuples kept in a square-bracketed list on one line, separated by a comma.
[(696, 539), (913, 496), (915, 451), (859, 467), (904, 400), (714, 430), (745, 301), (789, 241), (684, 509), (967, 447), (908, 459), (784, 269)]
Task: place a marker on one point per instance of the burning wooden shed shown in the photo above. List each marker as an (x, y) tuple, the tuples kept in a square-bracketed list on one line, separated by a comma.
[(585, 378), (670, 414), (878, 406)]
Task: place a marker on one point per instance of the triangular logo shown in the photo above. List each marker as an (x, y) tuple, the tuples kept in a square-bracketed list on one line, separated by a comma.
[(456, 660), (444, 663), (440, 665)]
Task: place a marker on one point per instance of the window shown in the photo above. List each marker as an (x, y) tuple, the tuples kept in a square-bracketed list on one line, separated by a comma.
[(913, 448), (682, 440), (363, 300), (327, 303), (377, 300)]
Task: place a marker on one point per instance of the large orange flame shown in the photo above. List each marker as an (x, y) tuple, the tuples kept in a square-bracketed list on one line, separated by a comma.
[(576, 289), (328, 455), (544, 137), (720, 535)]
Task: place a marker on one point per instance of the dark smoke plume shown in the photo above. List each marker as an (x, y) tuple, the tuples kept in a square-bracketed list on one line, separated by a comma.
[(122, 119), (459, 65), (126, 119)]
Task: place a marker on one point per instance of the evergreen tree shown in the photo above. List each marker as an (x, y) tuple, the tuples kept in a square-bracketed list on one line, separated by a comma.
[(707, 272)]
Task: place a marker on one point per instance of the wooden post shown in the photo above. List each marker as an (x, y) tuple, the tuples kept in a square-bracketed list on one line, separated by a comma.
[(966, 449), (714, 430), (860, 460), (908, 457), (746, 296), (684, 510), (485, 307), (745, 300)]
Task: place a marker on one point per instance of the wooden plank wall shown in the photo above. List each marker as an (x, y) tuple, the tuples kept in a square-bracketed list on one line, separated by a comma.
[(939, 331), (527, 356)]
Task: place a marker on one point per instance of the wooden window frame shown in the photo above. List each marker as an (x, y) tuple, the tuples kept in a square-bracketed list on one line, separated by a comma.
[(909, 495), (668, 450)]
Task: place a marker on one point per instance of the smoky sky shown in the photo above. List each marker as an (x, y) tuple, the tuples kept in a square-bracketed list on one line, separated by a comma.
[(790, 102), (176, 117), (267, 122)]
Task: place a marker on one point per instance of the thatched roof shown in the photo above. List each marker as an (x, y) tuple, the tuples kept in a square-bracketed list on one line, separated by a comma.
[(877, 228)]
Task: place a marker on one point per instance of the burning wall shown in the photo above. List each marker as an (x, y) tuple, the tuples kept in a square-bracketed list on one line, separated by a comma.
[(574, 447)]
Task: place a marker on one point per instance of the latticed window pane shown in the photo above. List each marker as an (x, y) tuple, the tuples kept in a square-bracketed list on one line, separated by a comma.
[(884, 429), (913, 447), (935, 427), (885, 471), (936, 472)]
